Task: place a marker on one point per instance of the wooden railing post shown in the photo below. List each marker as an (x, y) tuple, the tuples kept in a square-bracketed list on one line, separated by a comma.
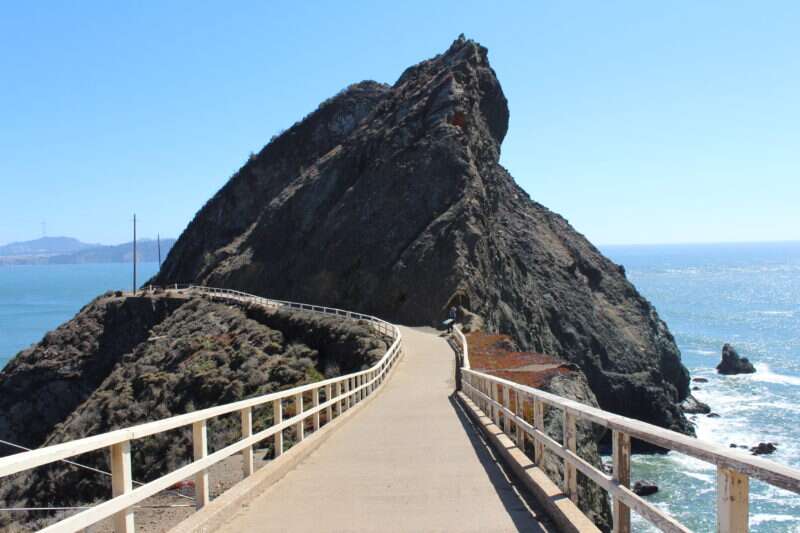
[(339, 396), (733, 501), (277, 418), (621, 455), (328, 398), (200, 445), (538, 423), (520, 412), (507, 405), (247, 431), (122, 483), (570, 443), (496, 407), (315, 403), (298, 409)]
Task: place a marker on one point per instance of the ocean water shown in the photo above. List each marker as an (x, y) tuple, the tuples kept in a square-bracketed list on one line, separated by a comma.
[(35, 299), (747, 295)]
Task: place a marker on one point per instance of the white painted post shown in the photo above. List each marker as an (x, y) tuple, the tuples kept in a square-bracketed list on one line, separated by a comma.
[(496, 397), (298, 409), (733, 495), (621, 454), (315, 403), (538, 423), (277, 418), (328, 397), (339, 395), (520, 412), (200, 444), (507, 405), (246, 415), (122, 483), (570, 442)]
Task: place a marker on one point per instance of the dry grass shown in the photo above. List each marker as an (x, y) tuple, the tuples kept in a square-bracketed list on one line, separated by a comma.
[(494, 354)]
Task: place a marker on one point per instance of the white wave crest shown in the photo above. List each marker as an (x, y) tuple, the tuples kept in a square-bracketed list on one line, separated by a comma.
[(764, 374), (760, 518)]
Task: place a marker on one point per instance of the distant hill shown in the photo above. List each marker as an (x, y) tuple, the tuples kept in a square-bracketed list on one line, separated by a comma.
[(66, 250), (46, 246)]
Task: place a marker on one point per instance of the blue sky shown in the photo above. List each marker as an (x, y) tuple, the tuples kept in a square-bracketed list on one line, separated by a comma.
[(640, 122)]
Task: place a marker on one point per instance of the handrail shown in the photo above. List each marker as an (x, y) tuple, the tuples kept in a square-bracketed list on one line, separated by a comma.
[(493, 395), (340, 394), (462, 346)]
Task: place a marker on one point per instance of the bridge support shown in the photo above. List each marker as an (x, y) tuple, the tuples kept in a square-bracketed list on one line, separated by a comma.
[(121, 483), (200, 444), (621, 454), (570, 443), (315, 403), (733, 489), (298, 409), (277, 418), (247, 430)]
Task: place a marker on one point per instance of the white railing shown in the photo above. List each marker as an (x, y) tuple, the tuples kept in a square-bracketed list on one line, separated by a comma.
[(340, 393), (518, 410)]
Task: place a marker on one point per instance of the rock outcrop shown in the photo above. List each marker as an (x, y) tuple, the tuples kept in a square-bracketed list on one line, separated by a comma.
[(124, 361), (693, 406), (732, 363), (391, 200)]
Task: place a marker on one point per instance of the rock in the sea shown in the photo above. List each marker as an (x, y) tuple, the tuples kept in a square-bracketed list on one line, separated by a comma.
[(700, 380), (695, 388), (732, 363), (712, 415), (763, 448), (391, 200), (692, 405), (644, 488)]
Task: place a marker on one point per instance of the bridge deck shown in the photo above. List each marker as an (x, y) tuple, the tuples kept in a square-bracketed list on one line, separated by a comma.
[(410, 461)]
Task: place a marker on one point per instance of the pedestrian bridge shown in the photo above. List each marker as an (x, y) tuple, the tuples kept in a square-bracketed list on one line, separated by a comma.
[(401, 447)]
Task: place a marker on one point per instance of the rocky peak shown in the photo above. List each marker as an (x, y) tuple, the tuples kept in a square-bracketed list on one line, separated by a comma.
[(392, 201)]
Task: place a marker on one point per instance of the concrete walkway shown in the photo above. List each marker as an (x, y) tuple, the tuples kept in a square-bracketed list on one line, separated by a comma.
[(409, 461)]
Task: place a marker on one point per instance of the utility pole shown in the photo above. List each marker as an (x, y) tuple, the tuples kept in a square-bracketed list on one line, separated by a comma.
[(158, 239), (134, 253)]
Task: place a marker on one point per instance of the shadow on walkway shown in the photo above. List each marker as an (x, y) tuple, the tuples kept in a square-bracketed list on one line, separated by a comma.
[(522, 508)]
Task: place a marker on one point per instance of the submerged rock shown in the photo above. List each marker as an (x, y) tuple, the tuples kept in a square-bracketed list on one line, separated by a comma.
[(644, 488), (700, 380), (763, 448), (732, 363)]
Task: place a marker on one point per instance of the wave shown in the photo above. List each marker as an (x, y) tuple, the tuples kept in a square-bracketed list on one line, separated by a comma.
[(764, 374), (775, 313), (702, 352), (760, 518)]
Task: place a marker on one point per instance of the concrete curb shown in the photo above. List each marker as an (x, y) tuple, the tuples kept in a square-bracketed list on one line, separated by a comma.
[(555, 503)]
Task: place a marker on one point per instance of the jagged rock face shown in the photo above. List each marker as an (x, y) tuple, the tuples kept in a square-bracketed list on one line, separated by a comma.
[(398, 207)]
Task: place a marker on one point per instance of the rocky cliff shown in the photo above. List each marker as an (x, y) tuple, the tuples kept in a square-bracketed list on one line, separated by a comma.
[(124, 361), (391, 200)]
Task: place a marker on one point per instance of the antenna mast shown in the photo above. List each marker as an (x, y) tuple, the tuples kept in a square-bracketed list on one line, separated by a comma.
[(134, 253)]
